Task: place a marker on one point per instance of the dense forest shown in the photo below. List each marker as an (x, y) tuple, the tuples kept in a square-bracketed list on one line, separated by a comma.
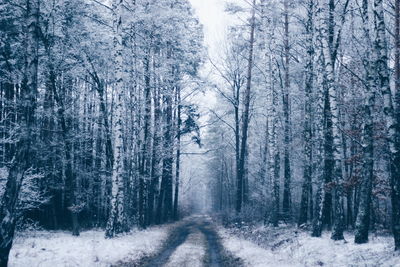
[(97, 111), (92, 111), (307, 126)]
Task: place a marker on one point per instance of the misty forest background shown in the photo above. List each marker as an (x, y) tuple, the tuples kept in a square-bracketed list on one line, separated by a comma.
[(98, 111)]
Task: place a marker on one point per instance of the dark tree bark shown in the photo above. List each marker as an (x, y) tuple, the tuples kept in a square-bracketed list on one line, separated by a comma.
[(396, 157), (306, 196), (246, 118), (286, 202), (156, 157), (364, 212), (166, 197), (23, 150), (392, 126), (178, 152), (145, 164)]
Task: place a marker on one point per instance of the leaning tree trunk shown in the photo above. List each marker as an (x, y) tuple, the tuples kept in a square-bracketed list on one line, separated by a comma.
[(117, 221), (23, 151)]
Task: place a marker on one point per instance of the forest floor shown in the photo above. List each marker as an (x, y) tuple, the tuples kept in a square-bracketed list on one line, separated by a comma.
[(59, 249), (260, 246), (199, 241)]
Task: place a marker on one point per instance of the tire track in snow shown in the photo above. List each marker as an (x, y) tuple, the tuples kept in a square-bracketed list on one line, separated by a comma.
[(194, 243)]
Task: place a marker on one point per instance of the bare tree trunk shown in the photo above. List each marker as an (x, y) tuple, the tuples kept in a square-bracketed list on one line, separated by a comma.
[(117, 220), (274, 153), (364, 212), (390, 114), (306, 196), (337, 233), (145, 164), (23, 151), (178, 152), (396, 158), (246, 117), (286, 203), (156, 157), (319, 158), (166, 184)]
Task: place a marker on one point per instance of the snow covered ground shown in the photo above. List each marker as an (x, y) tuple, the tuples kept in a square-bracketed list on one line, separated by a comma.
[(291, 247), (59, 249)]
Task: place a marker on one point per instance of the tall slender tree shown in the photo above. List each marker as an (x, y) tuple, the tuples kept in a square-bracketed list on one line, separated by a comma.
[(364, 211), (306, 197), (117, 221), (246, 114), (286, 110)]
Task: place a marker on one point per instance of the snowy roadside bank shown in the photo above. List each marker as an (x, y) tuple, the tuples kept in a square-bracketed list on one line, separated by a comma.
[(49, 249), (292, 247)]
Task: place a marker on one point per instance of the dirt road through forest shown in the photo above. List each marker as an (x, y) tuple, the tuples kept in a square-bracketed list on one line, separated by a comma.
[(193, 243)]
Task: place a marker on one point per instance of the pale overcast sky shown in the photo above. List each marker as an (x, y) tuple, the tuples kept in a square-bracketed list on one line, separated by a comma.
[(215, 20)]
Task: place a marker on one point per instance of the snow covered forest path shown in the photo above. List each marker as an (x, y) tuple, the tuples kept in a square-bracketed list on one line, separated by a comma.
[(193, 243)]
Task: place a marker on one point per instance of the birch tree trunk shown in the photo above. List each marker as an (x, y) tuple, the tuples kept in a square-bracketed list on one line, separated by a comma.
[(117, 221), (390, 114), (319, 172), (338, 227), (306, 196), (364, 211)]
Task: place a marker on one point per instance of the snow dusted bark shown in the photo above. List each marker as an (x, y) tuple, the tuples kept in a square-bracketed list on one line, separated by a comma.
[(165, 207), (156, 157), (338, 227), (246, 117), (306, 196), (117, 221), (396, 160), (397, 56), (364, 211), (23, 151), (318, 173), (145, 164), (178, 152), (391, 121), (274, 153), (286, 202)]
